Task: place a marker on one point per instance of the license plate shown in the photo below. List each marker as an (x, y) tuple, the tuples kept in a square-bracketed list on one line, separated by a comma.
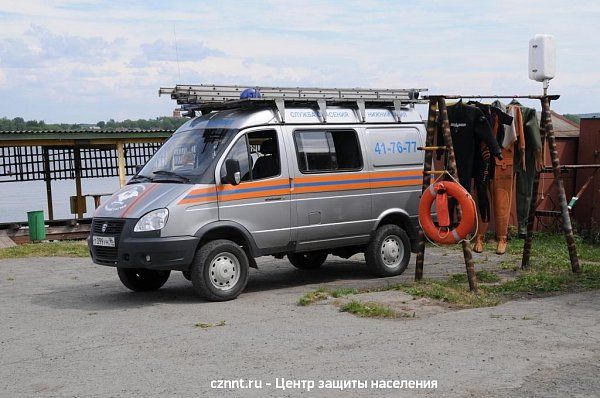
[(107, 241)]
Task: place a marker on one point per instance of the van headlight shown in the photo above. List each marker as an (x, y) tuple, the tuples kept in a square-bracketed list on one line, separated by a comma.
[(152, 221)]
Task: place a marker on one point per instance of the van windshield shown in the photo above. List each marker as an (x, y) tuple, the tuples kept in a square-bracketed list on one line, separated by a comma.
[(185, 157)]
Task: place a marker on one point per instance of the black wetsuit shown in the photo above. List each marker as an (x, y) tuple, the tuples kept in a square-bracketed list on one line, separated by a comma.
[(469, 127)]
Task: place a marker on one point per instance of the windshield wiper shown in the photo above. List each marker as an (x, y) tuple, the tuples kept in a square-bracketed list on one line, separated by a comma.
[(139, 178), (172, 174)]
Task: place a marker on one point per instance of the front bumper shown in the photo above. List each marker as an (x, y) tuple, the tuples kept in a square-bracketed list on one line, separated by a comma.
[(131, 251)]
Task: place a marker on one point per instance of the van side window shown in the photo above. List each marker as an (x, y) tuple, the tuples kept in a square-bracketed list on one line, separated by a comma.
[(328, 151), (239, 152), (258, 155), (264, 152)]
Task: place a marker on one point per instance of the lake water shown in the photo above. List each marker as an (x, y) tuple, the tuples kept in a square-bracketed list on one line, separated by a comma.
[(17, 198)]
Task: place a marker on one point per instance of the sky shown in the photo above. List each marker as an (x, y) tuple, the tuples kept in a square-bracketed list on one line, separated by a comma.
[(85, 61)]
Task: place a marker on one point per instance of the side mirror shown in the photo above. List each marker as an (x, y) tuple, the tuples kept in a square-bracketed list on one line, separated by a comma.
[(233, 175), (138, 168)]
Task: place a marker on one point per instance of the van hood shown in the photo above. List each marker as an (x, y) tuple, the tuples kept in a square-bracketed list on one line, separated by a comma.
[(133, 201)]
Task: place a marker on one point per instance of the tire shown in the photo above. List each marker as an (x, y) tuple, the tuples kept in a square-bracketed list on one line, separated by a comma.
[(307, 260), (388, 253), (220, 270), (143, 280)]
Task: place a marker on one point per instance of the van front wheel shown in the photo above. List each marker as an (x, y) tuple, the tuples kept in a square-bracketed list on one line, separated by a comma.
[(307, 260), (143, 280), (220, 270), (388, 252)]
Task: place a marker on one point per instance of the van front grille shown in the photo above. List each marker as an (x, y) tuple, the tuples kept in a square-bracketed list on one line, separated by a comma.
[(113, 227)]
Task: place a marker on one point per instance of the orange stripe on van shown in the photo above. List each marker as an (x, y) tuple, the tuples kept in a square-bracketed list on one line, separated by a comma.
[(252, 184), (391, 184), (384, 174), (185, 201), (341, 187), (251, 195), (199, 195), (333, 178), (202, 190)]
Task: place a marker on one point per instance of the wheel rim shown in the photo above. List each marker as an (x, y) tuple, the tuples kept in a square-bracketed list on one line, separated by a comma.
[(392, 251), (224, 271)]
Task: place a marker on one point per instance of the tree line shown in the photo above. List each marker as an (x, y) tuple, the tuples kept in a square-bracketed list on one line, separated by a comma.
[(159, 123)]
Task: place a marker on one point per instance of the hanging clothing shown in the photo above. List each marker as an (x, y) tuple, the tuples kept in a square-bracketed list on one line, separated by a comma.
[(528, 161), (484, 163), (518, 129), (499, 119), (500, 188), (467, 123)]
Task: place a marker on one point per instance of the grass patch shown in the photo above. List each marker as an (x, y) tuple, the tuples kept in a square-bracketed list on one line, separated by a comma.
[(323, 293), (509, 265), (345, 291), (314, 296), (63, 248), (486, 276), (369, 310), (551, 280), (483, 276), (450, 292), (203, 325)]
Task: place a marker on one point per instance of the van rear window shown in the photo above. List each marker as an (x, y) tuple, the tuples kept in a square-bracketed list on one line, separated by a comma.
[(320, 151)]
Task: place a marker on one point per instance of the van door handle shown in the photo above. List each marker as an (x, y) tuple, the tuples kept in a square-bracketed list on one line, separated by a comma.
[(273, 198)]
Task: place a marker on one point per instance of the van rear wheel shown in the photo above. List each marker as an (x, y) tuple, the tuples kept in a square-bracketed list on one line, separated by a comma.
[(307, 260), (388, 252), (143, 280), (220, 270)]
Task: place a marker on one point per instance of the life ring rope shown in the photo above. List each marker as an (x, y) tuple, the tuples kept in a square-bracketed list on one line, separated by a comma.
[(468, 210)]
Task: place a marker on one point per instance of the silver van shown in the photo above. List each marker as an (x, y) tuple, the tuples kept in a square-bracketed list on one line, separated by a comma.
[(254, 178)]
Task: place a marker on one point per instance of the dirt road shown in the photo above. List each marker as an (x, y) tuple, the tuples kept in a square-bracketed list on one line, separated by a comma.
[(69, 328)]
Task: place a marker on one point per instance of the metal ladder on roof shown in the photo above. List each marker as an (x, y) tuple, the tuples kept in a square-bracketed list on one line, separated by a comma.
[(209, 97)]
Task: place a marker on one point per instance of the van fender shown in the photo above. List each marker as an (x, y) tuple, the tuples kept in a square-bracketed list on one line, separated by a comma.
[(233, 231), (399, 217)]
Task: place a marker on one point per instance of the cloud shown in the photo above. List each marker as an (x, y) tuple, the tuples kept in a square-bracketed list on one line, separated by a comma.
[(76, 48), (187, 50), (39, 46)]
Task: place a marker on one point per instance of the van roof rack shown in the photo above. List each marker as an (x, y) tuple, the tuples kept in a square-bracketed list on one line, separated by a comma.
[(209, 97)]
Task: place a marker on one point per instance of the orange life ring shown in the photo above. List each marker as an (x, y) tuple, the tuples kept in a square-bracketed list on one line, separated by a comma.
[(443, 234)]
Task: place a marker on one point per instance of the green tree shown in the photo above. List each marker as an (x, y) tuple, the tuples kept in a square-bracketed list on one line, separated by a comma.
[(158, 123)]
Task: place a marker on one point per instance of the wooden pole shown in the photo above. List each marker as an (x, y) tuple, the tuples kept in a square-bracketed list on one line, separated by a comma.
[(466, 245), (121, 163), (48, 181), (78, 193), (562, 198), (431, 129)]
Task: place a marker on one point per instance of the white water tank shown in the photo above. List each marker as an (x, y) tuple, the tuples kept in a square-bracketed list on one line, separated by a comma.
[(542, 58)]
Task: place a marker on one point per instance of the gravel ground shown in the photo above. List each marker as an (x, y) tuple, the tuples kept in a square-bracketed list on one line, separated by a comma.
[(69, 328)]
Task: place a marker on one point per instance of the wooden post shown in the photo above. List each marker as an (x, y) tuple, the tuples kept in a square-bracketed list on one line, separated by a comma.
[(431, 129), (121, 163), (466, 245), (562, 198), (47, 180), (78, 193)]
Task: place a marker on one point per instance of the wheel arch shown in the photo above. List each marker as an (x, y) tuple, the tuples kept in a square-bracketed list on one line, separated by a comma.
[(232, 231), (401, 218)]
